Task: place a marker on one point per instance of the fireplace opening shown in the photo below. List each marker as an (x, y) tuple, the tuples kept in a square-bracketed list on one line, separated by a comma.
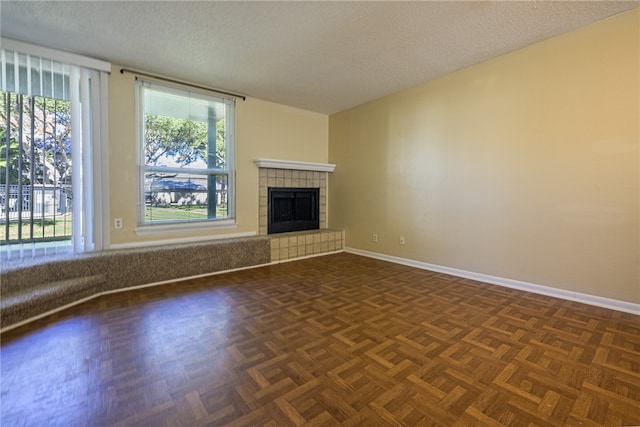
[(293, 209)]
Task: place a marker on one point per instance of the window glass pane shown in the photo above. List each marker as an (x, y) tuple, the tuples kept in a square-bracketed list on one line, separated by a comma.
[(183, 130), (175, 142), (184, 197)]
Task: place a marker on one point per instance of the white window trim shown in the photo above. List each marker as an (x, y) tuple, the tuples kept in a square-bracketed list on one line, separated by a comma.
[(181, 227), (180, 240)]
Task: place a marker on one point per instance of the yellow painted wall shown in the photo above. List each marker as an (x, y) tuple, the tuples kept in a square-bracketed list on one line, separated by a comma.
[(523, 167), (263, 130)]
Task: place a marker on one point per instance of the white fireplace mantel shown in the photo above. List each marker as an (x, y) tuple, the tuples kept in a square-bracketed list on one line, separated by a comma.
[(289, 164)]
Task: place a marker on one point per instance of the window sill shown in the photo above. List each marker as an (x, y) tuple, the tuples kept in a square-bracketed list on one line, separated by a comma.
[(149, 230)]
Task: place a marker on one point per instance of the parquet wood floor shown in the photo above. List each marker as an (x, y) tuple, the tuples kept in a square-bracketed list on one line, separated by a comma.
[(334, 340)]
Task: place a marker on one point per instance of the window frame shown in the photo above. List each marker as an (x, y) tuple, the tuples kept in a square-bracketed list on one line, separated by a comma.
[(169, 226)]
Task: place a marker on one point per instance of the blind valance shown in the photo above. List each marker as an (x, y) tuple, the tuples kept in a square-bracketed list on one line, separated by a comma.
[(33, 75)]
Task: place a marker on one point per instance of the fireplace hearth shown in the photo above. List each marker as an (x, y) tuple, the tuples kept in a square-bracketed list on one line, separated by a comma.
[(293, 209)]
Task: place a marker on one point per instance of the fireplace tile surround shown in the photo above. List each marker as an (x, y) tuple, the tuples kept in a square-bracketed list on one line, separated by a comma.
[(287, 178)]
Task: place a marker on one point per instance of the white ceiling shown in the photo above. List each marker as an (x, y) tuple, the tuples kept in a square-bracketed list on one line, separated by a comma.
[(319, 56)]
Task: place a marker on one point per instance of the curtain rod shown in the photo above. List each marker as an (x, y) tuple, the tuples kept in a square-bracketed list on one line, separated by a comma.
[(180, 82)]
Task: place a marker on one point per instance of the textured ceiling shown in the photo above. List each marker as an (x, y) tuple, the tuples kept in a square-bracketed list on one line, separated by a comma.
[(319, 56)]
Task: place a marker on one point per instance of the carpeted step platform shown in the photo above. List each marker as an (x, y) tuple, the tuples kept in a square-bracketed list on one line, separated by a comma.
[(49, 296), (27, 291)]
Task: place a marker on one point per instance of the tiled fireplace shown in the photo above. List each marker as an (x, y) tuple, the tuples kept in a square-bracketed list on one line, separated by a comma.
[(288, 174)]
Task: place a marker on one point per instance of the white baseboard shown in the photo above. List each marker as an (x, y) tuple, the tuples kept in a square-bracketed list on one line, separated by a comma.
[(612, 304)]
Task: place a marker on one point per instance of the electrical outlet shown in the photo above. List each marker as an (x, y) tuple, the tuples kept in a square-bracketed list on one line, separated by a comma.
[(117, 223), (375, 238), (402, 240)]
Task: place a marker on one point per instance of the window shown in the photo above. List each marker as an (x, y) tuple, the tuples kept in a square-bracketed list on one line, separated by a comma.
[(186, 157), (52, 151)]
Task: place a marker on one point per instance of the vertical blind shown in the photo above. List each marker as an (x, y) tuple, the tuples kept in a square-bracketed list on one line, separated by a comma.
[(22, 72)]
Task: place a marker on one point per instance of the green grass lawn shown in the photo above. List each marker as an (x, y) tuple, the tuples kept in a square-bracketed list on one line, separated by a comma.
[(44, 229)]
